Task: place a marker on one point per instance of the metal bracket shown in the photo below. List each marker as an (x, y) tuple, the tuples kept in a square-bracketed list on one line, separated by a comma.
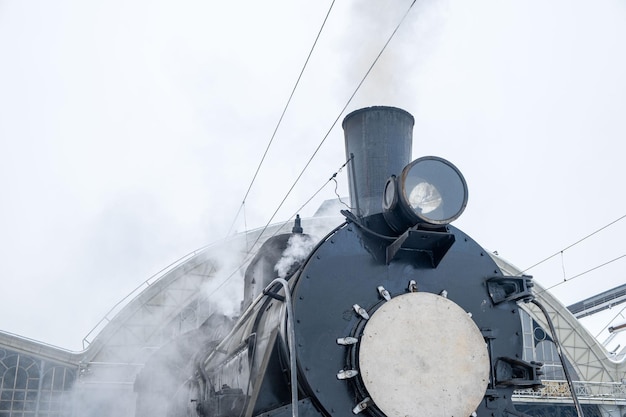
[(503, 289), (435, 244), (273, 295), (511, 372)]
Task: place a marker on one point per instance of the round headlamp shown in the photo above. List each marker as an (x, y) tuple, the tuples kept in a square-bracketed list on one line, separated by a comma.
[(429, 190)]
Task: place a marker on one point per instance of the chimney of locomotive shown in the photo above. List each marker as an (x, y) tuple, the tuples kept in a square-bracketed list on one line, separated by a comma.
[(378, 143)]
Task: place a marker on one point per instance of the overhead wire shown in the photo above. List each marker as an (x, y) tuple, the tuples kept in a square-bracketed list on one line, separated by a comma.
[(573, 244), (341, 112), (343, 109), (249, 253), (282, 115), (565, 279), (583, 273)]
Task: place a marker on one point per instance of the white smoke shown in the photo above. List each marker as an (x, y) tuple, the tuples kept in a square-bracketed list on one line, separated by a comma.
[(224, 290), (298, 248), (417, 27)]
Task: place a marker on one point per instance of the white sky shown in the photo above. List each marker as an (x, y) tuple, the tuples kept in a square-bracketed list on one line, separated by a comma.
[(130, 131)]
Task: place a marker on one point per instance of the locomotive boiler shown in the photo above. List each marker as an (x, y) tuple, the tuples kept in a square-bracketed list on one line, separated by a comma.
[(394, 313)]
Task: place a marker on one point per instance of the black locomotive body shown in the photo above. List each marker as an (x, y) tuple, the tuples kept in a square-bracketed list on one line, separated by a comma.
[(394, 313)]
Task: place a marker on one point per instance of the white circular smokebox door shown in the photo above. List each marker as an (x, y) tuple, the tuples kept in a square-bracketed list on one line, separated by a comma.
[(422, 355)]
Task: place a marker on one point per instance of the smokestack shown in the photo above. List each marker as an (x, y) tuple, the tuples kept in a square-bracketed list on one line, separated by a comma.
[(379, 141)]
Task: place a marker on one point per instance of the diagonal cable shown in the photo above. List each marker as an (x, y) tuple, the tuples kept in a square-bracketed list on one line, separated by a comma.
[(249, 255), (281, 118), (573, 244), (339, 115), (582, 273)]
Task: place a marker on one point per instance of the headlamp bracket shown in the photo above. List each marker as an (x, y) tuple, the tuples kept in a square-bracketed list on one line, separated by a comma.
[(434, 243)]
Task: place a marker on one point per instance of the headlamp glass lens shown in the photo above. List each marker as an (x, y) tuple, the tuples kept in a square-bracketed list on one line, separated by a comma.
[(434, 189), (425, 197)]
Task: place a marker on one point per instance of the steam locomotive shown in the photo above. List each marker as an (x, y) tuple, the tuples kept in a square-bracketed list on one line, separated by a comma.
[(394, 313)]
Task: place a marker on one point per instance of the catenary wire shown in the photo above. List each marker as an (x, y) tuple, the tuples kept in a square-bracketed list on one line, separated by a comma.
[(334, 123), (250, 255), (319, 33), (582, 273), (332, 178), (573, 244), (247, 258)]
